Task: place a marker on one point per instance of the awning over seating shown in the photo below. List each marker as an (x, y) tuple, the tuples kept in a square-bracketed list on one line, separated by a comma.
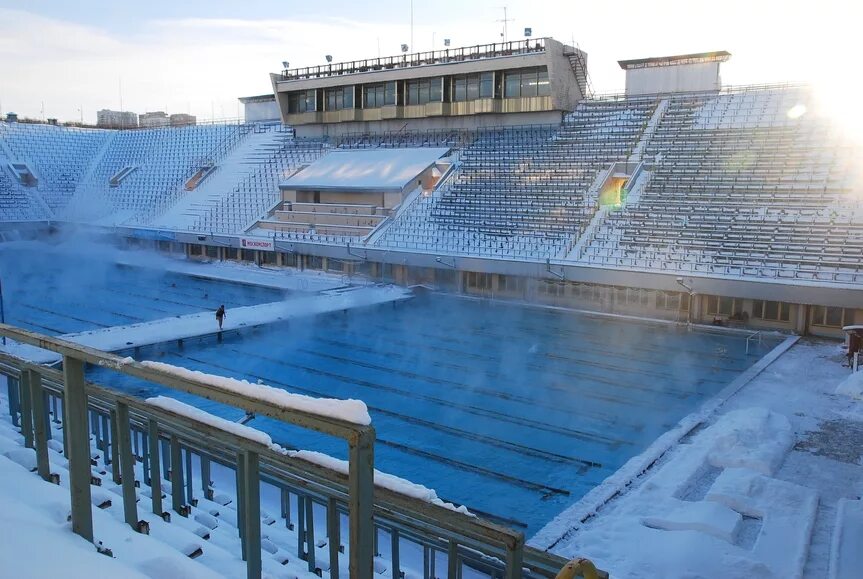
[(365, 170)]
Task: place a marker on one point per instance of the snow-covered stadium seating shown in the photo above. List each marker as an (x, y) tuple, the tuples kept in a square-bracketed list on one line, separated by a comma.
[(524, 192), (746, 182), (740, 187)]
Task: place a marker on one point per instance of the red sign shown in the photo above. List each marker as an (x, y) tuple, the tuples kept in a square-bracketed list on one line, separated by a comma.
[(257, 243)]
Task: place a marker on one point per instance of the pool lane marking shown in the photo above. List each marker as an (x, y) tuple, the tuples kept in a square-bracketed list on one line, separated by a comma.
[(572, 433)]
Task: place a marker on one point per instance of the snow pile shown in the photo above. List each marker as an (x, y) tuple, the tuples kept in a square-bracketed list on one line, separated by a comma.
[(382, 479), (350, 410), (183, 409), (852, 386), (755, 438), (712, 509)]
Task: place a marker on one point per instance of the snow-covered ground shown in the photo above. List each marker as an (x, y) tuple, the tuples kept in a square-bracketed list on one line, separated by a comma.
[(754, 492)]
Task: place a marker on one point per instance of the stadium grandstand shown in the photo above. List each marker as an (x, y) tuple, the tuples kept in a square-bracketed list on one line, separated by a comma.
[(730, 217)]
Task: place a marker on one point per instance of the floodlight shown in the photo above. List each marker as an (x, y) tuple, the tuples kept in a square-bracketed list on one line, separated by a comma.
[(528, 31), (446, 41), (404, 47), (286, 65), (329, 57)]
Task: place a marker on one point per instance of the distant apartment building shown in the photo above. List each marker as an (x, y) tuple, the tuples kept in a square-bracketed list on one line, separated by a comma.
[(182, 119), (154, 119), (116, 119)]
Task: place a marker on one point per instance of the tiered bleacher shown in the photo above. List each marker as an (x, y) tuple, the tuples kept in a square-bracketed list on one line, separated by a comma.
[(748, 183), (164, 160), (744, 182), (524, 192), (58, 158), (257, 191)]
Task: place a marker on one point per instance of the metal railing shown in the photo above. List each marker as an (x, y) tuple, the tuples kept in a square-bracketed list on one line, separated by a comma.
[(418, 59), (127, 429)]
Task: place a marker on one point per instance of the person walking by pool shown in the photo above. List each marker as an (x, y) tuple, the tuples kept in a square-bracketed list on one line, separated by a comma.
[(220, 315)]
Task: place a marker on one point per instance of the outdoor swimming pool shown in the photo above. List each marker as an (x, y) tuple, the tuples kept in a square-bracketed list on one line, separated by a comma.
[(59, 293), (515, 411)]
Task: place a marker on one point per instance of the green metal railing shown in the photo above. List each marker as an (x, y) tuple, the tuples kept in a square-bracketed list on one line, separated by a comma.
[(128, 429)]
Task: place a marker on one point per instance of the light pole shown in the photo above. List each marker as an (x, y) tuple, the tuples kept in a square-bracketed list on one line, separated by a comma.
[(691, 292)]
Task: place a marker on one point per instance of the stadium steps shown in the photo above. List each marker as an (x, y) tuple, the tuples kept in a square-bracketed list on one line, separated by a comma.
[(238, 165), (649, 130), (208, 534)]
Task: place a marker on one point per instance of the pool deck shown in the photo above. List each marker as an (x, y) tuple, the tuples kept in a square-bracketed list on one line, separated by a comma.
[(204, 323)]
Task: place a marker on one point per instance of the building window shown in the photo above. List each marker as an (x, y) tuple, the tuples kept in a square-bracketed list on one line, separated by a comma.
[(212, 252), (637, 297), (773, 311), (289, 259), (486, 85), (340, 98), (480, 281), (378, 95), (511, 284), (314, 262), (301, 102), (423, 91), (470, 87), (724, 306), (231, 253), (672, 301), (528, 82), (832, 317)]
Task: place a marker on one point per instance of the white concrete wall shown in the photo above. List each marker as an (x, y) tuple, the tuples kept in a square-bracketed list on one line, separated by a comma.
[(675, 78), (265, 111)]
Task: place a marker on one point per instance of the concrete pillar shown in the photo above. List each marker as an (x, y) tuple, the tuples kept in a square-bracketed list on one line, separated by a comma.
[(801, 319), (696, 305)]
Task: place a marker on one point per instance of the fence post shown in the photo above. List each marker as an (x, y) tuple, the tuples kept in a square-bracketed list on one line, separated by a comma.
[(252, 513), (77, 438), (127, 465), (515, 558), (333, 532), (116, 475), (40, 424), (155, 467), (26, 408), (361, 488), (177, 486)]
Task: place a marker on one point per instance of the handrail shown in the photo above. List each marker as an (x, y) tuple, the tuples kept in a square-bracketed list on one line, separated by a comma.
[(417, 59), (360, 437), (471, 540), (750, 337)]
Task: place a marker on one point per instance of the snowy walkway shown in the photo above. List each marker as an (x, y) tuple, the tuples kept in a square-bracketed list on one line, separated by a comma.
[(758, 492), (204, 323)]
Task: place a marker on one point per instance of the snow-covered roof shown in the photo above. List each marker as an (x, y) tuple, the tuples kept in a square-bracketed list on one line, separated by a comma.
[(364, 170)]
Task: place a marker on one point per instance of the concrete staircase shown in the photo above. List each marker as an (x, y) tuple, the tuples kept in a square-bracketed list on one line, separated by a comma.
[(240, 162)]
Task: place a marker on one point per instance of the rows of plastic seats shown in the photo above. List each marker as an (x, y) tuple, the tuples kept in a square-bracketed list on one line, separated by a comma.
[(745, 183)]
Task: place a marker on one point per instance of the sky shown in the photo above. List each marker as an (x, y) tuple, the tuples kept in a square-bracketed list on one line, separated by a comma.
[(68, 59)]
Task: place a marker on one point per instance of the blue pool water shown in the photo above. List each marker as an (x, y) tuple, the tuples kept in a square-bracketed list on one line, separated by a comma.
[(514, 411), (56, 293)]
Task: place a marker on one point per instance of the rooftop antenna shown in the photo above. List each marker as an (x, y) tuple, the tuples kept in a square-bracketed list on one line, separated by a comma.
[(412, 22), (120, 85), (505, 20)]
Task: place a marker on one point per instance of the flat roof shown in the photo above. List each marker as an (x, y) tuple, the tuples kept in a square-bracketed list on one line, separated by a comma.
[(717, 56), (365, 170), (445, 56), (258, 98)]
